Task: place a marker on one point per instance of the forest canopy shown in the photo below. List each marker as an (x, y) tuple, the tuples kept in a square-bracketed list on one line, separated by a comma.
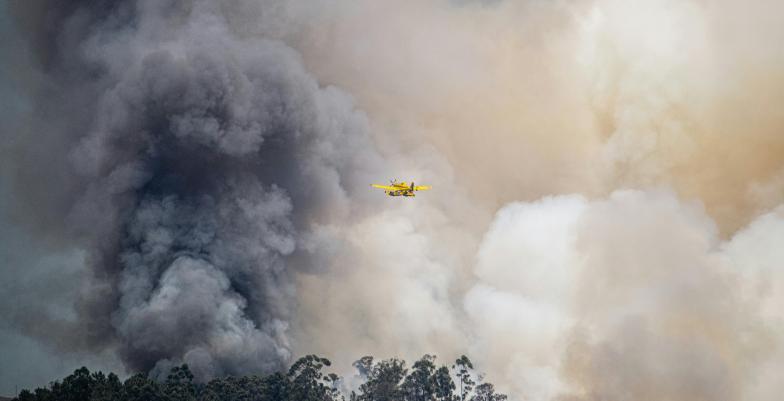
[(306, 380)]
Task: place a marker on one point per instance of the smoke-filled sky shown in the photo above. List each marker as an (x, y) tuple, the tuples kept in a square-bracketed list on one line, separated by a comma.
[(188, 181)]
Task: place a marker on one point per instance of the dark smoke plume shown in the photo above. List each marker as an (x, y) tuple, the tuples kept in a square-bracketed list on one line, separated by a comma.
[(193, 166)]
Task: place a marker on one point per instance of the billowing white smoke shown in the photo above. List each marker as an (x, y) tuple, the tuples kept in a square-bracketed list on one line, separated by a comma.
[(527, 270), (604, 294), (633, 296), (629, 297)]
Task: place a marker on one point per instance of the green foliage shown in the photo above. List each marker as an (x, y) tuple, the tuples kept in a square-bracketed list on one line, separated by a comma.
[(383, 379), (308, 383), (306, 380), (443, 386), (140, 388), (105, 388), (26, 395), (426, 382), (486, 392), (462, 369), (418, 385), (276, 387), (179, 385)]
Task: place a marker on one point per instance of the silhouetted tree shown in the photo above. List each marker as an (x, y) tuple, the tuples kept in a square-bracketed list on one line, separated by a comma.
[(44, 394), (443, 386), (247, 388), (486, 392), (26, 395), (105, 388), (387, 380), (179, 384), (383, 379), (418, 385), (308, 383), (463, 368), (364, 365), (140, 388), (75, 387), (275, 387)]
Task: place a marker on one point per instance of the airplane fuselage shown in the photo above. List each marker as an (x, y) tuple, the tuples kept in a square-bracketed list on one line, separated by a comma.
[(401, 188), (400, 192)]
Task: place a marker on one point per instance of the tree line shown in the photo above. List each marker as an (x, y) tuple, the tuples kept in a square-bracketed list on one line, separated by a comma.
[(306, 380)]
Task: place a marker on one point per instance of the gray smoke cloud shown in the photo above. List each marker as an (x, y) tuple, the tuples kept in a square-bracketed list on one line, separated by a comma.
[(196, 166)]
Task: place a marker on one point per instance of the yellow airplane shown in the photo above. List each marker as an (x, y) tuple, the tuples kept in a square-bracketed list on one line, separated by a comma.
[(401, 188)]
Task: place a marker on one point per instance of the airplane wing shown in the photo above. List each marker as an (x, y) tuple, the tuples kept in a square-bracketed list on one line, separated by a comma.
[(422, 187), (385, 187)]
